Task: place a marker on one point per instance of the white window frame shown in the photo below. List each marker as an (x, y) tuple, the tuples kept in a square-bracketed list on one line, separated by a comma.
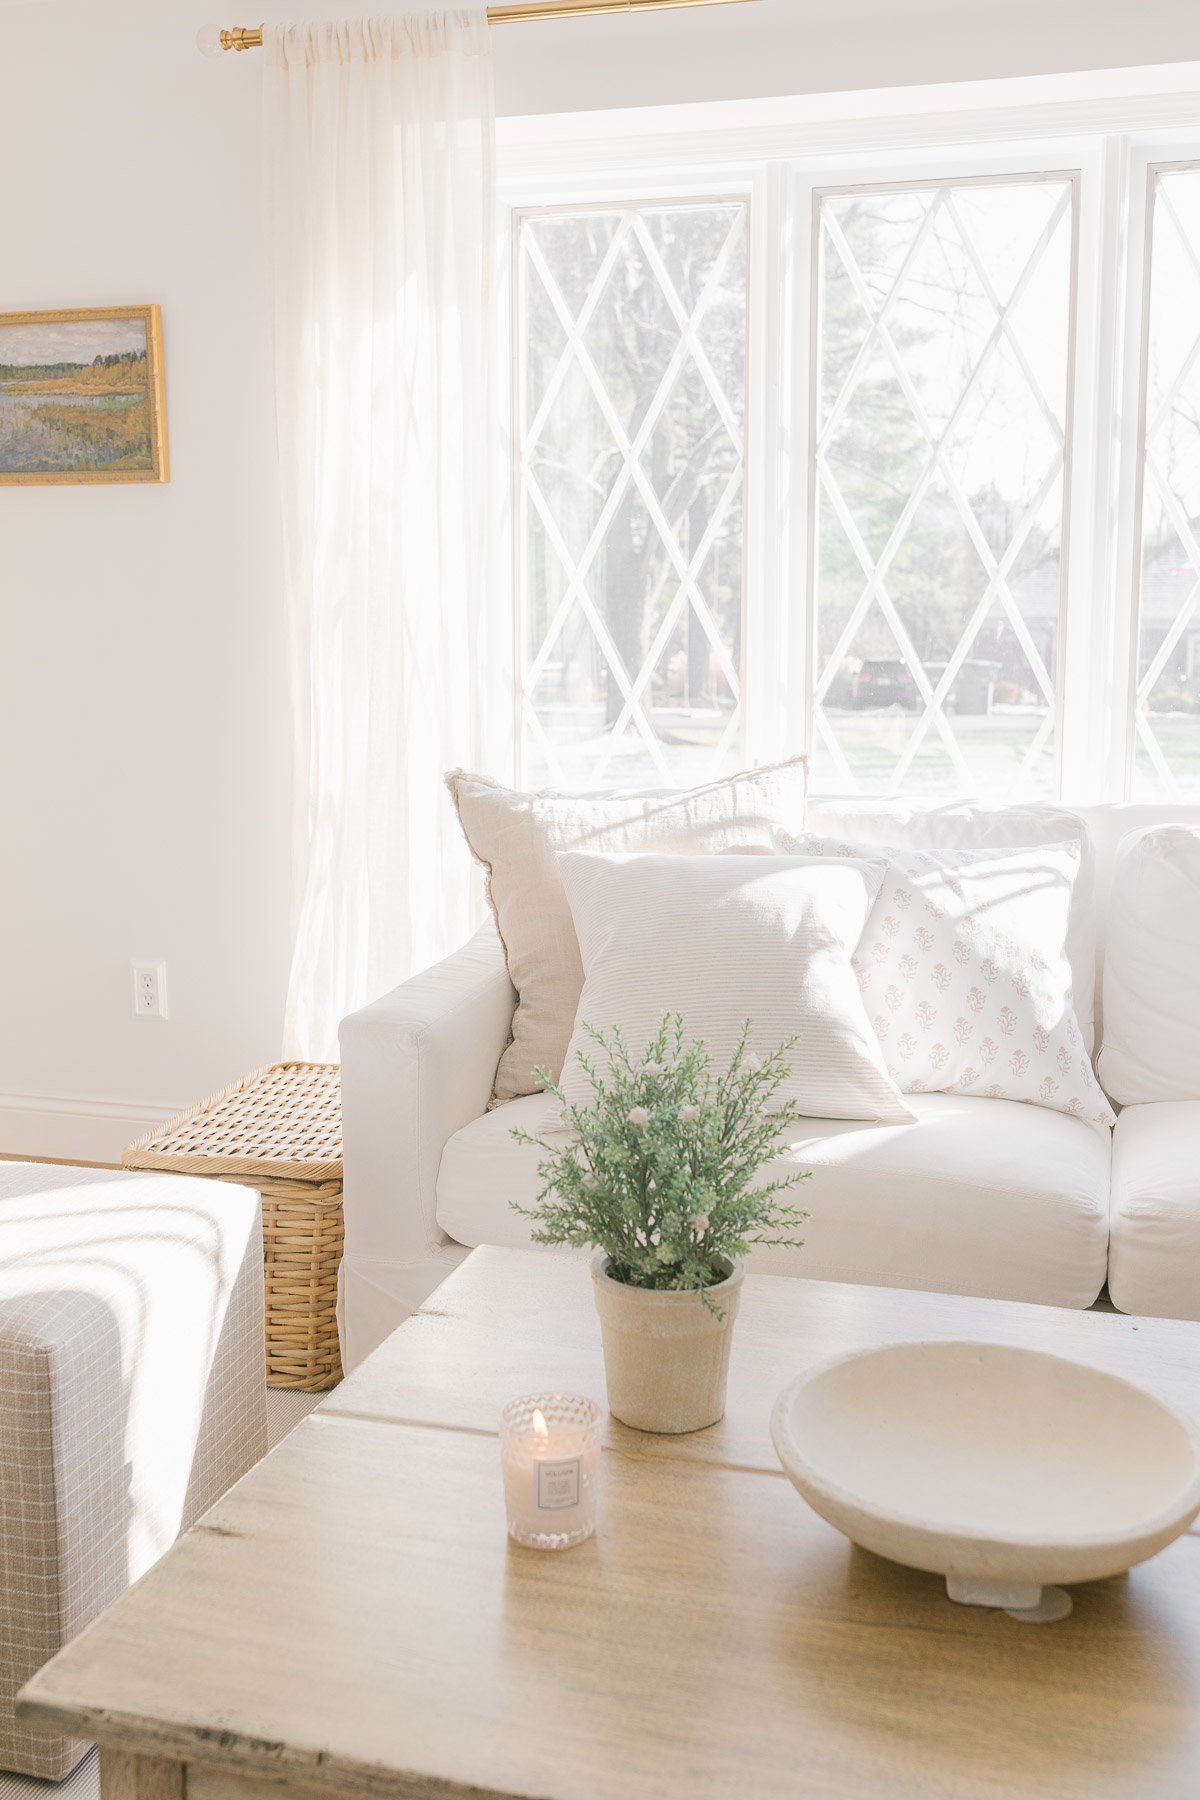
[(516, 216), (1147, 162), (991, 168), (1104, 131)]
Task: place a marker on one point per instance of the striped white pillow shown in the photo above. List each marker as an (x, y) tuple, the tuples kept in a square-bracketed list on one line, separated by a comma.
[(721, 939)]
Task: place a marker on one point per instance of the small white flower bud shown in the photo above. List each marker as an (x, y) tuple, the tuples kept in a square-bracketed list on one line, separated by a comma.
[(639, 1117), (689, 1115)]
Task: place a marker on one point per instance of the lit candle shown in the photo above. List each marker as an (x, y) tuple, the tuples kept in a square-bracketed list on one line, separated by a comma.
[(550, 1451)]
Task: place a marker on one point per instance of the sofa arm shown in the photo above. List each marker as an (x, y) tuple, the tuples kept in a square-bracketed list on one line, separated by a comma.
[(417, 1066)]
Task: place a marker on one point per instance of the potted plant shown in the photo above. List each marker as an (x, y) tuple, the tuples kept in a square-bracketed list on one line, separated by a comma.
[(660, 1176)]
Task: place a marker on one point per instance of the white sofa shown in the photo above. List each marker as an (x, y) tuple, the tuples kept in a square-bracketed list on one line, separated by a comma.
[(984, 1197)]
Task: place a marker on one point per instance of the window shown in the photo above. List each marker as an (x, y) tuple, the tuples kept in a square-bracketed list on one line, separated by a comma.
[(875, 437), (942, 347), (1166, 750), (630, 384)]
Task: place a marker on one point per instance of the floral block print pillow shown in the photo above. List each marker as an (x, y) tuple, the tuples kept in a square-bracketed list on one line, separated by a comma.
[(962, 970)]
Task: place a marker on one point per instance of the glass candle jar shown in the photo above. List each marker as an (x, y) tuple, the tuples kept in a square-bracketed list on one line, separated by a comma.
[(550, 1451)]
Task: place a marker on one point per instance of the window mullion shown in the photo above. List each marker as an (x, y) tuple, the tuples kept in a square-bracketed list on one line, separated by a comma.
[(1093, 469), (1157, 638), (774, 445)]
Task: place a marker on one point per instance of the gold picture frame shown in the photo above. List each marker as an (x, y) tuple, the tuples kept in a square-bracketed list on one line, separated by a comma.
[(82, 396)]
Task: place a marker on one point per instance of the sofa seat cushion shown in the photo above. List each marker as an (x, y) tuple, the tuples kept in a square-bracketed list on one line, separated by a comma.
[(1154, 1254), (987, 1197)]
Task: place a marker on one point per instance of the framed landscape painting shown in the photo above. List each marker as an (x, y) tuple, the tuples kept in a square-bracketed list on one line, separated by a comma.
[(81, 396)]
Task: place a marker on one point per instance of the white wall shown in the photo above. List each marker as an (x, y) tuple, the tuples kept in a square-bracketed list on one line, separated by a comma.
[(144, 799), (775, 47), (143, 720)]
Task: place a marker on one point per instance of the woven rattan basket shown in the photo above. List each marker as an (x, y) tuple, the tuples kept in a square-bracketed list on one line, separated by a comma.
[(280, 1131)]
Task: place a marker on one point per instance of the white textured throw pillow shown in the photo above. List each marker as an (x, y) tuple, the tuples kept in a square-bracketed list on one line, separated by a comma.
[(1152, 969), (519, 837), (963, 971), (721, 939)]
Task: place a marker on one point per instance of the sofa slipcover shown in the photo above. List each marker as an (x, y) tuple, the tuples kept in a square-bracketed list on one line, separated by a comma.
[(987, 1197), (132, 1395), (417, 1067)]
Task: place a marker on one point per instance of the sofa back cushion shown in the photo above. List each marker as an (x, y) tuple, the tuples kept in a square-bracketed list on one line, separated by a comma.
[(518, 838), (1151, 1048), (967, 826)]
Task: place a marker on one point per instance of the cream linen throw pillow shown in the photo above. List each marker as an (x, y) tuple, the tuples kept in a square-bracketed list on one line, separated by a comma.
[(518, 838), (721, 939)]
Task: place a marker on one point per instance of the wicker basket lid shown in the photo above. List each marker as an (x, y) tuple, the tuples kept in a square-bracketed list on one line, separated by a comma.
[(284, 1120)]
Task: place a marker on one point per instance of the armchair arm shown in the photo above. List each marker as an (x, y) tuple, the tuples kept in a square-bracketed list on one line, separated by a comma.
[(417, 1065)]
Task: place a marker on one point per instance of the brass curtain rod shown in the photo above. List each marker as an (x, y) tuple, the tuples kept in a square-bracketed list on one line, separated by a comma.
[(250, 37)]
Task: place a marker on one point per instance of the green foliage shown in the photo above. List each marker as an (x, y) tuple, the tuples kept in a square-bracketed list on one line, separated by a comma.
[(124, 372), (106, 431), (661, 1172)]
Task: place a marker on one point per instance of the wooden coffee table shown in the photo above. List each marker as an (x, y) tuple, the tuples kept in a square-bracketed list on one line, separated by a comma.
[(352, 1620)]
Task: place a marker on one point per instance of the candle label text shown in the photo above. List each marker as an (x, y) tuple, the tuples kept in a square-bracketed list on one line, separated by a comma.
[(557, 1485)]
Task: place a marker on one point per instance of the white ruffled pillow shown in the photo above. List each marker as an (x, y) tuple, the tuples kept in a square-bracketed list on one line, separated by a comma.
[(721, 939), (963, 972)]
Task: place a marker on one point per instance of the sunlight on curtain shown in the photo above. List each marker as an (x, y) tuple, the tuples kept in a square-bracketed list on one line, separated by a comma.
[(379, 174)]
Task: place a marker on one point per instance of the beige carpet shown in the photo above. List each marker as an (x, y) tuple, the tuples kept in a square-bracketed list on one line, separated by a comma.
[(284, 1413)]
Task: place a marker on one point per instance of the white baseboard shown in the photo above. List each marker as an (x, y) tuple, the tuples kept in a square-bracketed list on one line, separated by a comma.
[(75, 1127)]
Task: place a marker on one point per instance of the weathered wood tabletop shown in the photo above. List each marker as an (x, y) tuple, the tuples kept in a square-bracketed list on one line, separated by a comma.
[(352, 1618)]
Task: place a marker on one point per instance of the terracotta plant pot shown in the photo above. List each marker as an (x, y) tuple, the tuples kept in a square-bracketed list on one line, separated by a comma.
[(666, 1356)]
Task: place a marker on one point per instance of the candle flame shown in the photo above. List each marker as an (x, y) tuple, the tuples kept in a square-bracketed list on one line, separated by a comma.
[(541, 1430)]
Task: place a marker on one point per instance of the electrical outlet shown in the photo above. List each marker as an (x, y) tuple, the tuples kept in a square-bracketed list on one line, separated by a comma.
[(149, 990)]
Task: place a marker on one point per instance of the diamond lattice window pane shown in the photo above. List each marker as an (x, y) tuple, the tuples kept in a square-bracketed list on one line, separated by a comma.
[(1166, 751), (943, 352), (936, 536), (576, 456), (631, 354)]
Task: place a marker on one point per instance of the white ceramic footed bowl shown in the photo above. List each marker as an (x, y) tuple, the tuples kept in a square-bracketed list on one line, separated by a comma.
[(987, 1463)]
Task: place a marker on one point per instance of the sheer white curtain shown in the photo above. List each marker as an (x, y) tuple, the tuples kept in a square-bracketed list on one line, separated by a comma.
[(379, 175)]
